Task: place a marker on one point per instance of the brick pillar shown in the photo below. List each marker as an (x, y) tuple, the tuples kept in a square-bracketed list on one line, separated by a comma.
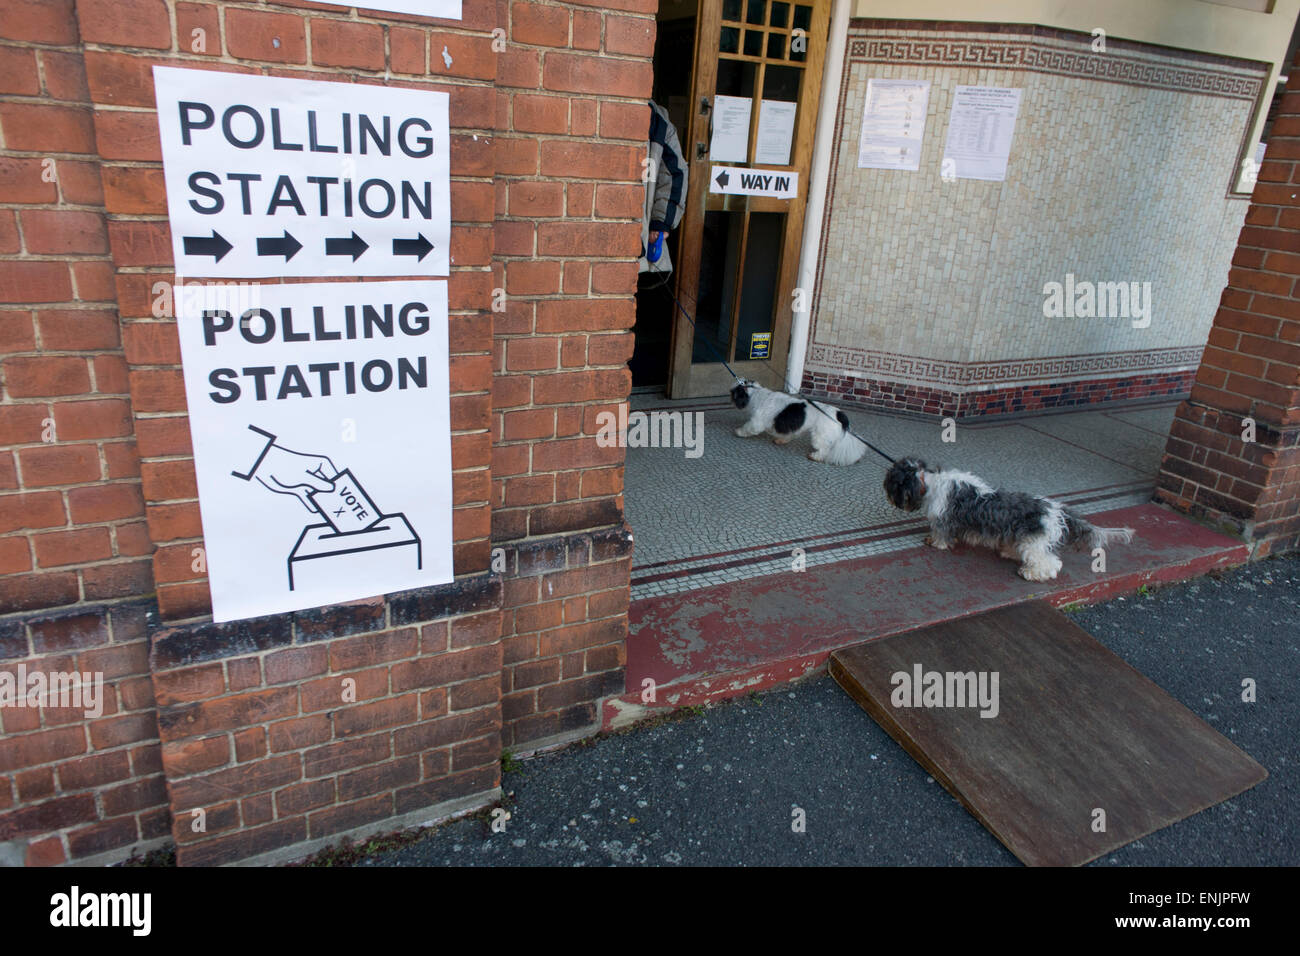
[(571, 103), (1233, 455)]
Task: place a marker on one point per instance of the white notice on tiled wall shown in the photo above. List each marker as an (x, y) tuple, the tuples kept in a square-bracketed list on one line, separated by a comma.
[(980, 128), (893, 122)]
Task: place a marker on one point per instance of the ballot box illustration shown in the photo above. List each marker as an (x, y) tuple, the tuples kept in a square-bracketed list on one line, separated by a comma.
[(355, 529)]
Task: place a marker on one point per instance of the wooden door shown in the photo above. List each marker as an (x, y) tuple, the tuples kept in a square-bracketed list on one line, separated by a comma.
[(738, 254)]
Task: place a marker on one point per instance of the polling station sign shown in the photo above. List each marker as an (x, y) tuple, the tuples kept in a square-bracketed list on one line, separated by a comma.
[(268, 176), (320, 418)]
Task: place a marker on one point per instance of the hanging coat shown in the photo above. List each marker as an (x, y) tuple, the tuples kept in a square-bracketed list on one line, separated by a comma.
[(665, 194)]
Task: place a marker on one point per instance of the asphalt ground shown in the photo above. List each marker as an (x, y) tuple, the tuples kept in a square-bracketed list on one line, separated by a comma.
[(723, 786)]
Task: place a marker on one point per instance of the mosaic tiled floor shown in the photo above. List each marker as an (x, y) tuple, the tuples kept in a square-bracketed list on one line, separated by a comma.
[(743, 507)]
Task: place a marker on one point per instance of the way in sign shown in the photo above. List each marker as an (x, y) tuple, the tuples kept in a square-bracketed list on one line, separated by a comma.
[(754, 182), (759, 181)]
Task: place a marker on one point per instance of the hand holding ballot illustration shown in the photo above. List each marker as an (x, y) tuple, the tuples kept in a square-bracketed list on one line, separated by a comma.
[(354, 525), (288, 472)]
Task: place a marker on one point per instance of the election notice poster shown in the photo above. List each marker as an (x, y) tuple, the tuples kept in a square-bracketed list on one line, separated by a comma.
[(980, 129), (268, 176), (320, 419), (893, 124)]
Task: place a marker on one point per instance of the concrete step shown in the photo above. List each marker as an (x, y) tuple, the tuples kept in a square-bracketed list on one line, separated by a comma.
[(751, 635)]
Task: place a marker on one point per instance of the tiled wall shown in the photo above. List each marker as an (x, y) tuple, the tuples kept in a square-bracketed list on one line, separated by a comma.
[(1119, 171)]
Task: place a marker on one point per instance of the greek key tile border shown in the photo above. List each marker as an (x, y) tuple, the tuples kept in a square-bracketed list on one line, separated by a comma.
[(972, 376), (1242, 81)]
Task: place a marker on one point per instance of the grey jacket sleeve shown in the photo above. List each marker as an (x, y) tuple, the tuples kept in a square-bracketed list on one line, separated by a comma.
[(671, 182)]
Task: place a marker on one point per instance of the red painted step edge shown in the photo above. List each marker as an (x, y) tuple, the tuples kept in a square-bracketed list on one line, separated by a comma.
[(1217, 552)]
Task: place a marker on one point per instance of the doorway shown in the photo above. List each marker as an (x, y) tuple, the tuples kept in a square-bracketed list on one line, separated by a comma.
[(674, 57), (745, 103)]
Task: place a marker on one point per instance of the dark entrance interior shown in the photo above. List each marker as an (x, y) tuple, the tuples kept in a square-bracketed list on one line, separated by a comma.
[(673, 61)]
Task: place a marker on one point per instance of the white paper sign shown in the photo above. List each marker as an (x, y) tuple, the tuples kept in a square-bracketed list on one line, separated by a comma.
[(980, 128), (893, 124), (442, 9), (742, 181), (775, 132), (320, 419), (277, 177), (730, 129)]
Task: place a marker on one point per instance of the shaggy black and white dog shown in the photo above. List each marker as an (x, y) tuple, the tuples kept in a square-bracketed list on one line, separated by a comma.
[(787, 417), (961, 508)]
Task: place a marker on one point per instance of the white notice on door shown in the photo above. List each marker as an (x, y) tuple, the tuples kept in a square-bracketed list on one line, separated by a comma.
[(268, 176), (893, 124), (320, 419), (775, 132), (730, 129), (980, 128)]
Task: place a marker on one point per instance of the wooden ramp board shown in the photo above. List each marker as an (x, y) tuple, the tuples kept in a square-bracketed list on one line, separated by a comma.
[(1076, 729)]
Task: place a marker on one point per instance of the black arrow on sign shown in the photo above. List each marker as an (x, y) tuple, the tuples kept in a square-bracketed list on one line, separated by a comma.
[(216, 246), (722, 179), (353, 247), (418, 247), (287, 246)]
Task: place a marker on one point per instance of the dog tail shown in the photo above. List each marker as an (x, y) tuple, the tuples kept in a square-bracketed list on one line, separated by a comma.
[(1081, 531), (1102, 537), (847, 449)]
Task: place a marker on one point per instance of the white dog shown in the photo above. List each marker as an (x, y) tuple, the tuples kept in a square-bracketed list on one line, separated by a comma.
[(786, 417), (963, 508)]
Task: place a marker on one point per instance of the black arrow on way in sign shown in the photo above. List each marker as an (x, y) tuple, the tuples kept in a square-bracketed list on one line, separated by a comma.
[(418, 247), (215, 246), (286, 246), (722, 179), (353, 247)]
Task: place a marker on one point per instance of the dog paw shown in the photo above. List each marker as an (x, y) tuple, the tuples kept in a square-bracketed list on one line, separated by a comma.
[(1037, 574), (934, 542)]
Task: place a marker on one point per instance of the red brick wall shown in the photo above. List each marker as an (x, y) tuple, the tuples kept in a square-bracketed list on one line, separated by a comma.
[(324, 722), (571, 104), (71, 515), (1249, 378), (548, 122), (564, 627), (72, 529), (922, 400), (72, 788)]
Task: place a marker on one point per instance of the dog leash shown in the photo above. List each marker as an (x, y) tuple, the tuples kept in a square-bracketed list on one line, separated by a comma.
[(784, 385)]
